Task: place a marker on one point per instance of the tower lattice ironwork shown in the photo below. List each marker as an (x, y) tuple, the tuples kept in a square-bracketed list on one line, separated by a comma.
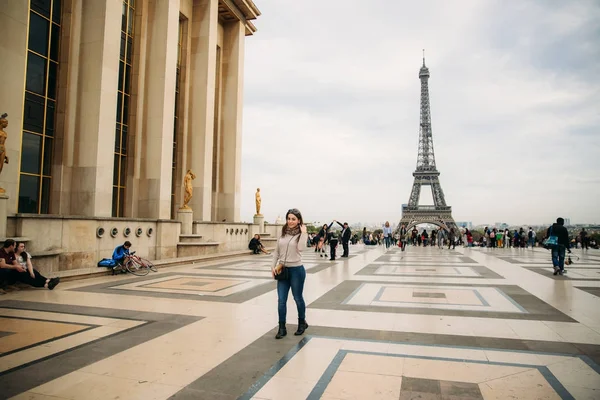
[(426, 173)]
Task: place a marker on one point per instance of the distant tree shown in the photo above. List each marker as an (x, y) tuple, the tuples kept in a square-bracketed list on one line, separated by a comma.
[(540, 234), (477, 235), (312, 229)]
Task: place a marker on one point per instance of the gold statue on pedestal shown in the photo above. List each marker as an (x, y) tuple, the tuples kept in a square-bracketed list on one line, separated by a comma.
[(187, 186), (258, 201), (3, 137)]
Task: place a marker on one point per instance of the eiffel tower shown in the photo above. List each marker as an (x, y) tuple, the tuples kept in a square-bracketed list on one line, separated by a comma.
[(426, 173)]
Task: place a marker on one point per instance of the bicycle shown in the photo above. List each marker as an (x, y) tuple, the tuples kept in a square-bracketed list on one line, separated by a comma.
[(136, 265)]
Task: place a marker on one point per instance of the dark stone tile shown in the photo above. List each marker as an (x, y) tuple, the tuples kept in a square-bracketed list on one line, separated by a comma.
[(430, 295), (592, 290), (193, 394), (461, 389), (551, 347), (590, 350), (499, 343), (450, 340), (410, 395), (420, 385)]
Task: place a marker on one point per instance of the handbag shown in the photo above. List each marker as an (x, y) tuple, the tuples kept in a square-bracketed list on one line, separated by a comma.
[(284, 273), (551, 242)]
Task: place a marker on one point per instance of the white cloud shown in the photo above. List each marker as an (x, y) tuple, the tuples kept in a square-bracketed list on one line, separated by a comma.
[(332, 108)]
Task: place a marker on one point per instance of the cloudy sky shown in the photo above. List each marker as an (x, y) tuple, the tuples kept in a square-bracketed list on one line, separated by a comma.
[(331, 112)]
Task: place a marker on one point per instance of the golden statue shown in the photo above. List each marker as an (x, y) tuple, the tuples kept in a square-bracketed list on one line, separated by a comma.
[(187, 186), (258, 201), (3, 136)]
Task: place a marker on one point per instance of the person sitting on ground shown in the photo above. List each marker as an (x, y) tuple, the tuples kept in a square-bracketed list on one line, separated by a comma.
[(8, 265), (11, 271), (24, 260), (256, 246), (121, 252)]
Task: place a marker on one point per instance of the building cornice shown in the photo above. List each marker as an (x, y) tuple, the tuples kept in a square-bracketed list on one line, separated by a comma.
[(248, 8), (239, 10)]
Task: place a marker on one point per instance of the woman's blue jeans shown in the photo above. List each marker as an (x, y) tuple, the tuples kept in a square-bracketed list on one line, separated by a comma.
[(388, 242), (296, 283)]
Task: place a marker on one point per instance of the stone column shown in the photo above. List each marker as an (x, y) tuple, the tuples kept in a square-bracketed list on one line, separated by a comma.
[(157, 157), (14, 17), (231, 122), (203, 55), (94, 142), (66, 107)]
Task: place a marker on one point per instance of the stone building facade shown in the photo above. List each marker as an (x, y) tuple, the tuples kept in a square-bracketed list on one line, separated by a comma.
[(109, 103)]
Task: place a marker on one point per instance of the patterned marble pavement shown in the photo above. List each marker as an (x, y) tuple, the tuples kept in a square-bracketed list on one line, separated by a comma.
[(425, 323)]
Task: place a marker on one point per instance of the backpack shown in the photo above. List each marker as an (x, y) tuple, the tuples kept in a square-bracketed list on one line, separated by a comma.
[(107, 262)]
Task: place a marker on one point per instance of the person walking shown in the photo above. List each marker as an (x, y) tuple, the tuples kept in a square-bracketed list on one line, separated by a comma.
[(288, 255), (404, 237), (584, 239), (469, 237), (387, 234), (452, 239), (558, 252), (531, 238), (441, 237)]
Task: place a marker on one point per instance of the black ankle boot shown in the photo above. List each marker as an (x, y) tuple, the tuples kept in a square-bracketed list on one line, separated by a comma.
[(282, 331), (302, 326)]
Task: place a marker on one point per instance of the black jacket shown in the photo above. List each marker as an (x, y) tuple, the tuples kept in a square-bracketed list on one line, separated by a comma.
[(561, 232), (254, 244), (347, 234), (332, 238)]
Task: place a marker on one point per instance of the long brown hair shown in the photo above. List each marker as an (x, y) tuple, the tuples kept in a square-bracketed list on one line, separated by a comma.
[(24, 253), (297, 214)]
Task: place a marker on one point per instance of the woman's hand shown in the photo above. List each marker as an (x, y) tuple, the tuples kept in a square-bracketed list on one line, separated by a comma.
[(302, 228), (273, 273), (32, 274)]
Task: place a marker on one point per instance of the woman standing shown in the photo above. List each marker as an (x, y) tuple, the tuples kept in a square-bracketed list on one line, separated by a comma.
[(322, 241), (387, 234), (288, 253)]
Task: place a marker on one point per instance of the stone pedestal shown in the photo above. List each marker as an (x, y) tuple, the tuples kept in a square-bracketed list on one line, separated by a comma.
[(186, 217), (259, 220), (3, 214)]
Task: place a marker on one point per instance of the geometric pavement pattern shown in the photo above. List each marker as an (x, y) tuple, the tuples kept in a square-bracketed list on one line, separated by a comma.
[(425, 323)]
